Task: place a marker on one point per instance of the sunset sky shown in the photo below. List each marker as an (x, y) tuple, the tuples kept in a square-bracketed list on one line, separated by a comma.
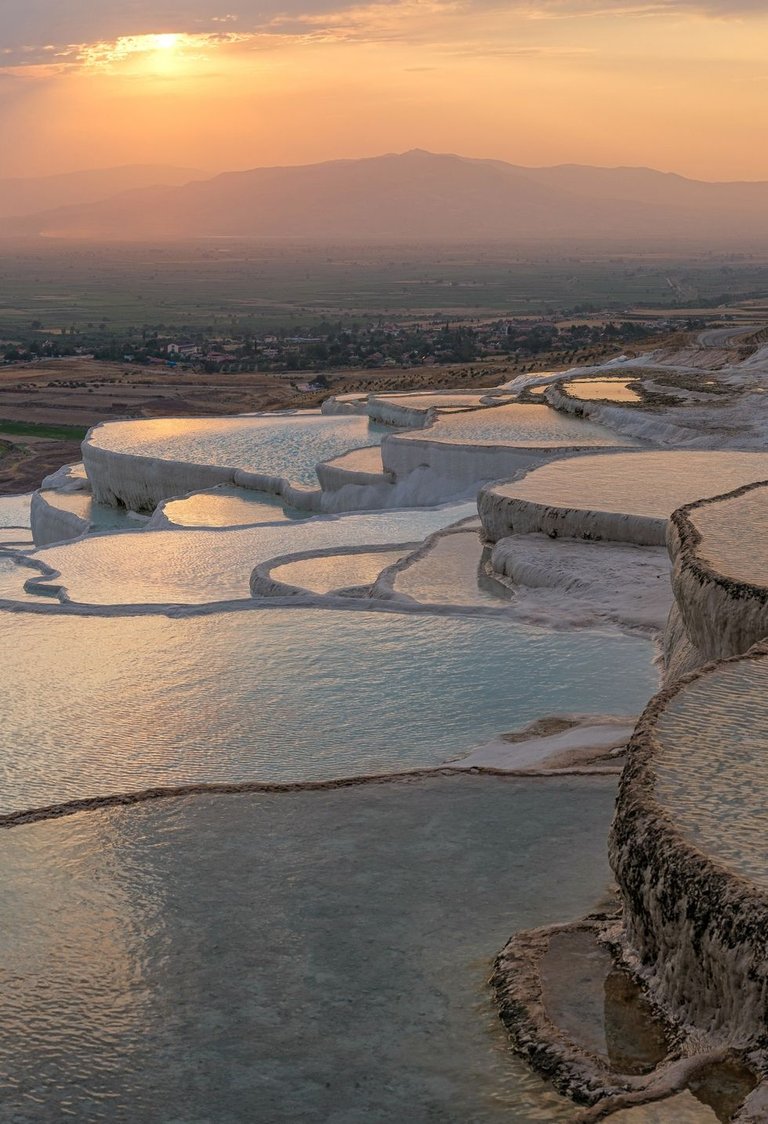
[(680, 85)]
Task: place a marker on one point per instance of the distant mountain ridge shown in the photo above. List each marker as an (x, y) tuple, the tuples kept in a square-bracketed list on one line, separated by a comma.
[(26, 195), (419, 194)]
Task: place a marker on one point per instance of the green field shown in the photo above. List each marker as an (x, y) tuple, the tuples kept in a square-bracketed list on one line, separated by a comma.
[(256, 287), (50, 432)]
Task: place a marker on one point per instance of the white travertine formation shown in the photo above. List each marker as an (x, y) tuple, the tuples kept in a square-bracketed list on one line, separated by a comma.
[(695, 911), (140, 464), (52, 523), (620, 497), (392, 411), (570, 581), (142, 482), (341, 404), (358, 467), (720, 573)]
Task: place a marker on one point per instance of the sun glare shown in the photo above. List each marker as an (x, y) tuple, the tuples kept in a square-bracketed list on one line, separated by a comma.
[(141, 50), (165, 42)]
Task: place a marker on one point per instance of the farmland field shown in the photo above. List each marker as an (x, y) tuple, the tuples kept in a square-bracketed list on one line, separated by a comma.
[(258, 286)]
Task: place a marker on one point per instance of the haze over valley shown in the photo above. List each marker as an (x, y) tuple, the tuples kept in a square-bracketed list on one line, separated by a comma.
[(416, 194)]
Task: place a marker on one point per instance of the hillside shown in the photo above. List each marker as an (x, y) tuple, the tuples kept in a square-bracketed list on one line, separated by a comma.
[(420, 195), (28, 195)]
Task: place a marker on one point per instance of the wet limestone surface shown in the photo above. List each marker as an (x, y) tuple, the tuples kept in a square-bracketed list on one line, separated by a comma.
[(682, 1109), (11, 537), (12, 579), (645, 484), (733, 536), (288, 445), (711, 765), (302, 957)]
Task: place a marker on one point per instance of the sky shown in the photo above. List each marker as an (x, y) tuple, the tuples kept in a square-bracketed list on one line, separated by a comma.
[(679, 85)]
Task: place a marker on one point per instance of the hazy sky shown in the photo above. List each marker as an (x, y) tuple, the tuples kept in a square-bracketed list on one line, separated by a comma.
[(680, 85)]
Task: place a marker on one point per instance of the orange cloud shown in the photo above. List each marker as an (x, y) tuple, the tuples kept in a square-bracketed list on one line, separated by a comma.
[(543, 82)]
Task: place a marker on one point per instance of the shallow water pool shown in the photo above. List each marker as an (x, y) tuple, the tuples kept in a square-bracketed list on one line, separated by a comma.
[(206, 566), (452, 572), (279, 445), (98, 705), (603, 390), (315, 957), (518, 424), (648, 484), (733, 538), (229, 507)]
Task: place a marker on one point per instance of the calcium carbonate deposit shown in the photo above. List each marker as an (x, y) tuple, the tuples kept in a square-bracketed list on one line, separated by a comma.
[(303, 743)]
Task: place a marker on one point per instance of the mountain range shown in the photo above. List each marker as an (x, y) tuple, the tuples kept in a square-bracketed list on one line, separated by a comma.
[(25, 195), (413, 195)]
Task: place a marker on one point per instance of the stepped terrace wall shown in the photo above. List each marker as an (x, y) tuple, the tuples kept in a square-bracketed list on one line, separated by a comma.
[(720, 571), (618, 497), (688, 856)]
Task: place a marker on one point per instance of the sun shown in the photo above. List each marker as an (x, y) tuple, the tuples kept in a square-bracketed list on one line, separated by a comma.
[(165, 42)]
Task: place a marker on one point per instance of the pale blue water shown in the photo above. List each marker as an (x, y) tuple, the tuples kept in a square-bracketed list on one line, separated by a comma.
[(288, 446), (282, 695), (311, 957)]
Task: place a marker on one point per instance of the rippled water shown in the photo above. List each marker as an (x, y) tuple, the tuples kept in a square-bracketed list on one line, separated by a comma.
[(650, 484), (711, 768), (336, 571), (452, 573), (307, 957), (197, 567), (288, 445), (99, 705), (518, 423), (229, 507), (733, 539)]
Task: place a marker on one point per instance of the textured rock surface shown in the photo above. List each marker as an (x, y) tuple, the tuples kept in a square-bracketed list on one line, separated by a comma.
[(700, 931), (720, 571)]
